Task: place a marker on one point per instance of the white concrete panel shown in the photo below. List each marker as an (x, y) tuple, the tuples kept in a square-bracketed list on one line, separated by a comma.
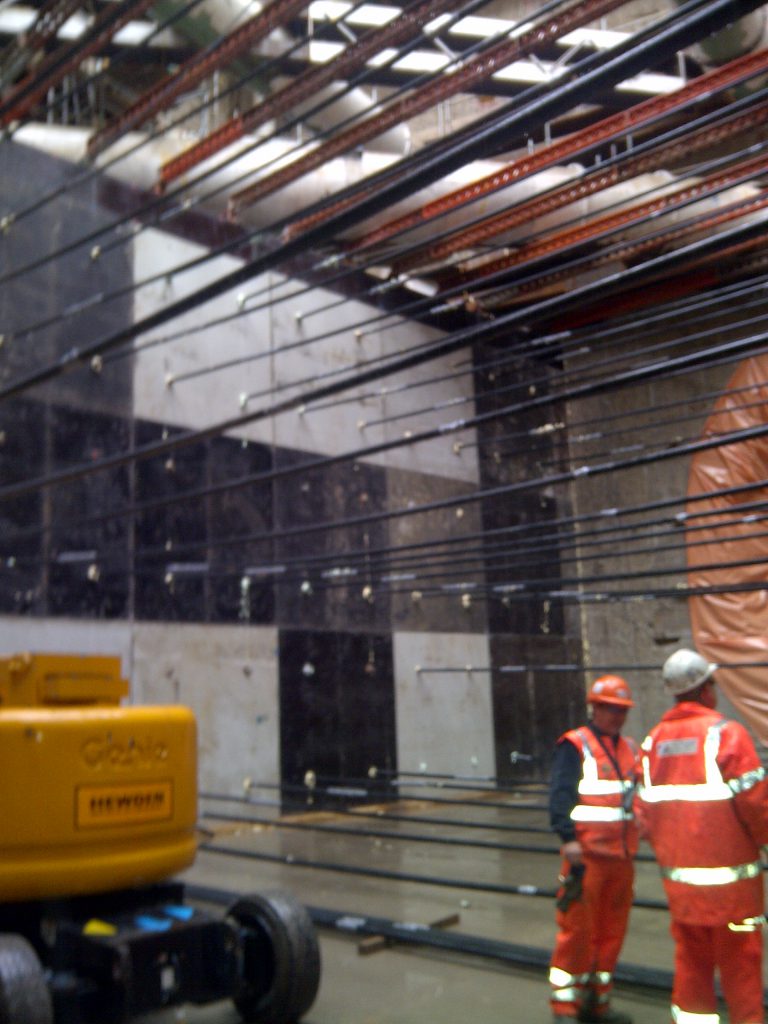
[(213, 397), (67, 636), (228, 676), (444, 719), (284, 350), (352, 334)]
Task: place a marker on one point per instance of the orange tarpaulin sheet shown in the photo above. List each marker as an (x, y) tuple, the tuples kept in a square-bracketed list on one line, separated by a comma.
[(733, 626)]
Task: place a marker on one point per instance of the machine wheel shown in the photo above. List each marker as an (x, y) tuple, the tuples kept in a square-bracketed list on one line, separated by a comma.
[(281, 958), (24, 995)]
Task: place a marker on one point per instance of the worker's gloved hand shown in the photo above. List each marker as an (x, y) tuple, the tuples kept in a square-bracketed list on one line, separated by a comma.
[(571, 887)]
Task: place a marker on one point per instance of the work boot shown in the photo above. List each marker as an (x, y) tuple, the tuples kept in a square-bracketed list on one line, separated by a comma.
[(591, 1016)]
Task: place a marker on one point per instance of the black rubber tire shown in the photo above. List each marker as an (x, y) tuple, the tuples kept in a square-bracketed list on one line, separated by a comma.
[(285, 931), (24, 995)]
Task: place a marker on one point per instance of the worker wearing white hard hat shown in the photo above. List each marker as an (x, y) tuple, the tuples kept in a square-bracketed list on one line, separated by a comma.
[(703, 804)]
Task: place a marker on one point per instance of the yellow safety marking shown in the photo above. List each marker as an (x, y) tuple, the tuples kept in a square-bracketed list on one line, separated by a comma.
[(97, 927)]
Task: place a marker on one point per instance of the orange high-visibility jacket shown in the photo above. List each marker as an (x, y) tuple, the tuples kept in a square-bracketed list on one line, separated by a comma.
[(703, 803), (603, 816)]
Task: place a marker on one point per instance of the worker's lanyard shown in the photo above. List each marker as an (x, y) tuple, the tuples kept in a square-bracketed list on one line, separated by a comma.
[(611, 757)]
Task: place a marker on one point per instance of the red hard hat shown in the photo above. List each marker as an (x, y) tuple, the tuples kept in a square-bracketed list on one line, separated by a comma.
[(611, 690)]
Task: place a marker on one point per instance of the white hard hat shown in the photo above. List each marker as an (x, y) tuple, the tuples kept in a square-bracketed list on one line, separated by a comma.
[(685, 670)]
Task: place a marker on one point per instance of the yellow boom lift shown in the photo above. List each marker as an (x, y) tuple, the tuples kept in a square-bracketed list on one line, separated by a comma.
[(98, 812)]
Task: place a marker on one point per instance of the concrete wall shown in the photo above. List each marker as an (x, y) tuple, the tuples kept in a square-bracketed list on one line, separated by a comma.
[(641, 630)]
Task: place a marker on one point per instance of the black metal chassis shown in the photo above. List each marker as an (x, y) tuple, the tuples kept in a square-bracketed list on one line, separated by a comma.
[(109, 958)]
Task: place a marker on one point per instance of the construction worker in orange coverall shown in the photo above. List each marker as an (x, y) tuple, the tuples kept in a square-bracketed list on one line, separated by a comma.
[(591, 790), (702, 801)]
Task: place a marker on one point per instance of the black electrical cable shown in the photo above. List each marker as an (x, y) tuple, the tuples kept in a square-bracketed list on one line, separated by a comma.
[(703, 167), (515, 358), (427, 305), (702, 397), (570, 667), (532, 348), (752, 505), (355, 81), (651, 144), (574, 266), (458, 340), (417, 307), (562, 477), (604, 597), (100, 298), (408, 567), (467, 587), (548, 480), (526, 435), (685, 26), (532, 584), (89, 82), (599, 515), (479, 556), (556, 547), (584, 373), (417, 934), (157, 203), (427, 582), (250, 479), (509, 285), (479, 560), (96, 171), (64, 54), (178, 378), (722, 115), (163, 202)]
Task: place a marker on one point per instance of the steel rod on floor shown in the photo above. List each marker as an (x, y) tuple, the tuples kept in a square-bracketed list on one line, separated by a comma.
[(351, 922), (359, 792), (413, 837), (298, 806), (290, 860)]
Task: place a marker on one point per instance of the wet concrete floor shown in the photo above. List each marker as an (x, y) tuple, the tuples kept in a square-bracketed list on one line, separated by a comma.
[(407, 984)]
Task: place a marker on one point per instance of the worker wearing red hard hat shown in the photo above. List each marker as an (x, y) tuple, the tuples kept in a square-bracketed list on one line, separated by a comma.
[(702, 801), (591, 790)]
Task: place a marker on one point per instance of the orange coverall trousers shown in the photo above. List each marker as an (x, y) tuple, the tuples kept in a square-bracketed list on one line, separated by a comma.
[(738, 955), (590, 935)]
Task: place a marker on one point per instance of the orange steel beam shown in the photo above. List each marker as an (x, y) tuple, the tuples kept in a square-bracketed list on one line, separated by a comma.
[(697, 275), (53, 69), (399, 30), (626, 121), (195, 70), (18, 54), (586, 185), (600, 227), (475, 70), (696, 225)]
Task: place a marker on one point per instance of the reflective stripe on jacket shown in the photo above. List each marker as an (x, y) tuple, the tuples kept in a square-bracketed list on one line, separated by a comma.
[(603, 816), (703, 801)]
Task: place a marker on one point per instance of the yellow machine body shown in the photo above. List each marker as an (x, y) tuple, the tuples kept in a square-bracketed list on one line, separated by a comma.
[(94, 796)]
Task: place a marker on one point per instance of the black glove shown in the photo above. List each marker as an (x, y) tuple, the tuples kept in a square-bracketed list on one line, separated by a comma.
[(571, 889)]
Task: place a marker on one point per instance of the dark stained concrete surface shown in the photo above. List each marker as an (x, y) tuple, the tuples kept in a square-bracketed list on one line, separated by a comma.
[(410, 985)]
